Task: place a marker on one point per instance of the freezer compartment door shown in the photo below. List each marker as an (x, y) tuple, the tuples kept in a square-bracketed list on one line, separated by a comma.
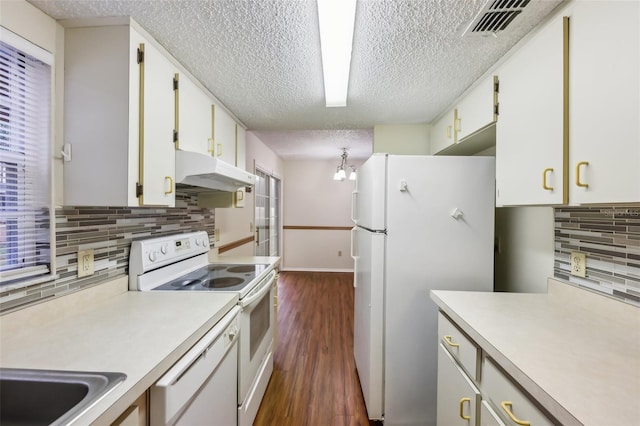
[(369, 197), (369, 317)]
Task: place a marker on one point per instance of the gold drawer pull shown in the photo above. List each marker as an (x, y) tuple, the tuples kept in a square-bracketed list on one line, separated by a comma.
[(462, 401), (170, 179), (506, 406), (578, 181), (545, 173), (447, 132), (219, 154), (449, 342)]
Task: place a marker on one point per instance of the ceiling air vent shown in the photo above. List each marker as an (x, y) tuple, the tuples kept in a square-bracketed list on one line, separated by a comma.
[(495, 16)]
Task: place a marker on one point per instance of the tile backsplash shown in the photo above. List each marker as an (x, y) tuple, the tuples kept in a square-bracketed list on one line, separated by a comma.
[(109, 231), (610, 237)]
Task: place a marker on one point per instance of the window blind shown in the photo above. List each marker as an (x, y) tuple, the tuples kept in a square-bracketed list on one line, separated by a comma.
[(25, 194)]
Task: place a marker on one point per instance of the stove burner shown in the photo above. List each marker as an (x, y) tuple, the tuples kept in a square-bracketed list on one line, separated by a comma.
[(185, 283), (222, 282), (216, 267), (242, 268)]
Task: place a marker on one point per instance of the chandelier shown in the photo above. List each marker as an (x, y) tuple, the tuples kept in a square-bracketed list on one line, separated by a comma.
[(341, 173)]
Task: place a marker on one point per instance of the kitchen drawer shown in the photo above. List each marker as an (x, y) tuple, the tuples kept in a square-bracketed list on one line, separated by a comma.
[(511, 404), (488, 417), (459, 345)]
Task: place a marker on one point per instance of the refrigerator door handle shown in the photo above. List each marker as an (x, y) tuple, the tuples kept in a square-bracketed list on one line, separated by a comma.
[(354, 257), (354, 196)]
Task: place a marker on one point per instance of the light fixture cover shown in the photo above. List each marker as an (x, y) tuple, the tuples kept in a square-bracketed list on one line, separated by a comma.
[(337, 20)]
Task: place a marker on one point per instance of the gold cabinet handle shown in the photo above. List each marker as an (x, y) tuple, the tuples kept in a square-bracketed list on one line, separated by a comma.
[(506, 406), (462, 401), (449, 342), (545, 173), (447, 132), (578, 181), (170, 179), (458, 122), (211, 145), (219, 153)]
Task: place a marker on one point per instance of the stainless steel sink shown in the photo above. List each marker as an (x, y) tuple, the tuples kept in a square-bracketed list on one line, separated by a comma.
[(49, 397)]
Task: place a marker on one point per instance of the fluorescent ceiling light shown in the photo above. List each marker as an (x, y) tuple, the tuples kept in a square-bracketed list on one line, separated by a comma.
[(337, 19)]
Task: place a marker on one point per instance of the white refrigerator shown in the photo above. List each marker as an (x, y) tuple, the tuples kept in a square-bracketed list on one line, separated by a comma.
[(422, 223)]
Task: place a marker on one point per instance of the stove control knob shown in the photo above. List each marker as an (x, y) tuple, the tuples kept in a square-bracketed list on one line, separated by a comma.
[(164, 249), (197, 242), (152, 256), (203, 242)]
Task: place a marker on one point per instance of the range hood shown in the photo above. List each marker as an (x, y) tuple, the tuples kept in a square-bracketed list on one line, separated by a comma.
[(203, 171)]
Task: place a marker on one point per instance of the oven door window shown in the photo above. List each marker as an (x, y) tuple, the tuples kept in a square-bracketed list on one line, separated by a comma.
[(259, 323)]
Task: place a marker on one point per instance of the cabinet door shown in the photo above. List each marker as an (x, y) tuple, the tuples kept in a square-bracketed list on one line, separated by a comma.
[(224, 135), (488, 416), (604, 102), (457, 396), (513, 405), (442, 135), (241, 147), (194, 117), (529, 134), (157, 150), (476, 110)]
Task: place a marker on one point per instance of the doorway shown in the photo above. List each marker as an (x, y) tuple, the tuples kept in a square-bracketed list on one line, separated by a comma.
[(267, 214)]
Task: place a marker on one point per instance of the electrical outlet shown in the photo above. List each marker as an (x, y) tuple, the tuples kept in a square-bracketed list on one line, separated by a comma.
[(85, 263), (578, 264)]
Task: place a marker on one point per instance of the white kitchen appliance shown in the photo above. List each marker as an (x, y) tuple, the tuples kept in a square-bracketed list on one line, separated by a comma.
[(422, 223), (180, 263), (201, 387)]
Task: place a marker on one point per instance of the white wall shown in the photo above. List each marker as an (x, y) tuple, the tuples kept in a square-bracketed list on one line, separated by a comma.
[(402, 139), (525, 258), (313, 199), (236, 224)]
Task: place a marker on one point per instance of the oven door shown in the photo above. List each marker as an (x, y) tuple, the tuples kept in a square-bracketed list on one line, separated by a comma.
[(257, 323)]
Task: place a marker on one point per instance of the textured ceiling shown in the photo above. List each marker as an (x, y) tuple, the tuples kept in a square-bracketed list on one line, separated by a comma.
[(261, 58)]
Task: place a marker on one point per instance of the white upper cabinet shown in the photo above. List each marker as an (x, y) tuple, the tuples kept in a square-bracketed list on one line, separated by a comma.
[(224, 136), (529, 134), (194, 117), (604, 98), (569, 131), (468, 128), (477, 110), (158, 151), (120, 131), (442, 135), (241, 147)]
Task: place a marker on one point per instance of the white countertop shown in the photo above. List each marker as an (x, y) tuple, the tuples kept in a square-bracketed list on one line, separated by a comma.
[(107, 328), (576, 353)]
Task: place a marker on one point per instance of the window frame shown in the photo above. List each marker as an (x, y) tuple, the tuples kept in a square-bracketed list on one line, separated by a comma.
[(23, 277)]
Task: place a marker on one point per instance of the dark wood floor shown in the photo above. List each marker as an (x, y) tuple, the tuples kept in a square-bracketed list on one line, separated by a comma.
[(314, 380)]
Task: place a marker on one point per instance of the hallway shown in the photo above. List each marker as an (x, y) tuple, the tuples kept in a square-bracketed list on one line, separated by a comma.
[(314, 381)]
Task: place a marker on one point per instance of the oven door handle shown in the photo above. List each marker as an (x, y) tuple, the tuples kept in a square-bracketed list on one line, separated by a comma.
[(246, 302)]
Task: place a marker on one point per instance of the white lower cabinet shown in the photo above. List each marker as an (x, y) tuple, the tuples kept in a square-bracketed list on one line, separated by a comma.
[(473, 390), (458, 397), (488, 417), (514, 406)]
